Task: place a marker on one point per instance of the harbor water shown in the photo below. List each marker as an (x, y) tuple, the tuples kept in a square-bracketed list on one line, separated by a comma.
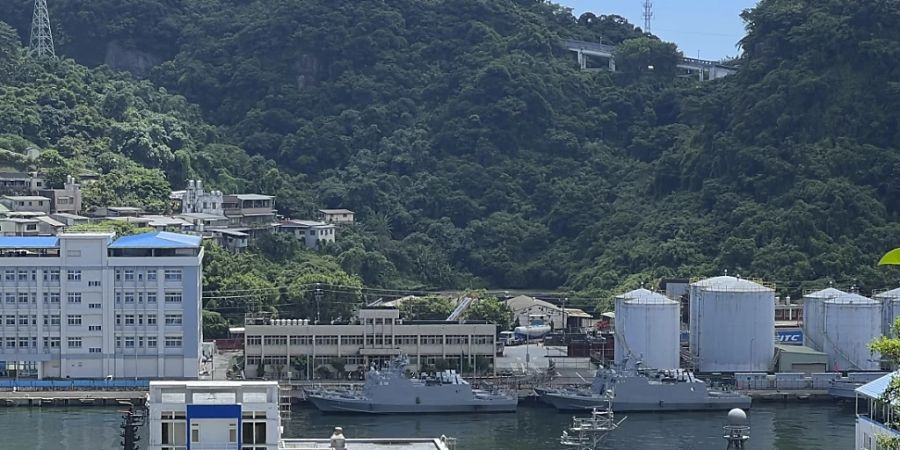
[(772, 426)]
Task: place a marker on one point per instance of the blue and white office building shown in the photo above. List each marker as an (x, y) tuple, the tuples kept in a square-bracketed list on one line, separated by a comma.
[(90, 305)]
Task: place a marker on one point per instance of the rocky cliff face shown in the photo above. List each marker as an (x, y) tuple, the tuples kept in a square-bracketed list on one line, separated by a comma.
[(137, 62)]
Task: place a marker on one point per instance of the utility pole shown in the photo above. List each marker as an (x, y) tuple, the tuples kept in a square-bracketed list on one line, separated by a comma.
[(131, 420), (41, 43), (648, 15), (318, 300)]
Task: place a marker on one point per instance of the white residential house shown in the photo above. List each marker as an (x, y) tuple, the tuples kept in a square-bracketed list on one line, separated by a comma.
[(873, 415), (27, 203), (195, 200), (337, 216), (311, 232), (88, 305)]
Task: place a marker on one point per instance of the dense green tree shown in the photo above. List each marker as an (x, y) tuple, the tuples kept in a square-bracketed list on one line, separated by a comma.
[(426, 308), (492, 310), (214, 325)]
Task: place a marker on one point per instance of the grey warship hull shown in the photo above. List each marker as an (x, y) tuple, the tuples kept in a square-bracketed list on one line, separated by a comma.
[(352, 406), (564, 401)]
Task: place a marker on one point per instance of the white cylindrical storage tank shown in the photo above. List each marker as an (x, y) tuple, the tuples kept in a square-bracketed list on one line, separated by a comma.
[(851, 323), (647, 330), (732, 325), (890, 309), (814, 317)]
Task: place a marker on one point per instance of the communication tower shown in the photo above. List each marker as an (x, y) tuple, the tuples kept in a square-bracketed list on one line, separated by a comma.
[(648, 14), (41, 43)]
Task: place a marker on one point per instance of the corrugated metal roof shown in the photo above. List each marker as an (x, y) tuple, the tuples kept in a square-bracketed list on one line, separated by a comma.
[(253, 197), (874, 389), (29, 242), (732, 284), (645, 296), (160, 239)]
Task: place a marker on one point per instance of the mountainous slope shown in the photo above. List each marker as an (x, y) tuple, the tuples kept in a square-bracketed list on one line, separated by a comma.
[(476, 152)]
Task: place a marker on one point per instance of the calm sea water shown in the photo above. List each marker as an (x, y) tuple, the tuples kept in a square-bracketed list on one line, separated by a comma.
[(784, 427)]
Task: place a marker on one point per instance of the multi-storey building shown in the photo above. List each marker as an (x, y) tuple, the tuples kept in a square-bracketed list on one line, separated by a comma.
[(87, 305), (379, 336)]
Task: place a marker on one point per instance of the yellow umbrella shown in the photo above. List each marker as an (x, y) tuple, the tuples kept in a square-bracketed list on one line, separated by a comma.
[(891, 258)]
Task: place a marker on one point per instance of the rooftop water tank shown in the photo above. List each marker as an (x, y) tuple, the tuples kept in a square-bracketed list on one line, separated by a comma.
[(647, 330), (732, 325)]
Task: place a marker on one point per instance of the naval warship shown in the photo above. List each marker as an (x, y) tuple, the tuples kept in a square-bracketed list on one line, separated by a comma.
[(637, 390), (390, 391)]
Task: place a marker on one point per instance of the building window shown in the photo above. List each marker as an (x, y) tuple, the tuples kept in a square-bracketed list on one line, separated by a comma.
[(23, 320), (93, 283), (11, 342), (173, 319), (95, 306), (23, 342), (118, 319), (173, 435), (173, 297), (54, 320), (54, 342), (118, 342), (254, 432), (275, 340), (173, 275), (129, 342), (73, 275), (74, 319), (95, 350), (23, 297), (74, 297), (254, 340), (151, 275), (10, 297), (9, 275), (173, 341), (118, 297), (94, 328), (151, 297), (51, 275), (140, 318), (151, 319), (54, 297), (11, 320), (118, 275), (301, 340), (129, 275), (129, 297), (23, 275), (73, 342), (129, 319), (151, 341)]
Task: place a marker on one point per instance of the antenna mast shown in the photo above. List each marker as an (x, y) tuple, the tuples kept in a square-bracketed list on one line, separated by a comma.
[(41, 43), (648, 14)]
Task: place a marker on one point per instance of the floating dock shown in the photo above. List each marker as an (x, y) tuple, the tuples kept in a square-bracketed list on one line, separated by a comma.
[(71, 398)]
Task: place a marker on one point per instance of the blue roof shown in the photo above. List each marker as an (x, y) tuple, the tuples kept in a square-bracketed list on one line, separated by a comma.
[(29, 242), (875, 388), (158, 239)]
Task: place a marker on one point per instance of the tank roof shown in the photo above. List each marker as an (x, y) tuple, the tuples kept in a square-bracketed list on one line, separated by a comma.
[(825, 293), (726, 283), (646, 297), (851, 298), (893, 293)]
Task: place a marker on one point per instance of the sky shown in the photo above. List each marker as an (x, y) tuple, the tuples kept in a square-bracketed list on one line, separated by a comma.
[(710, 27)]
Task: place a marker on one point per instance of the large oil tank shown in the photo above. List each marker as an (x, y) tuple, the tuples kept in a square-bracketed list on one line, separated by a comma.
[(813, 316), (647, 330), (732, 325), (890, 309), (843, 325)]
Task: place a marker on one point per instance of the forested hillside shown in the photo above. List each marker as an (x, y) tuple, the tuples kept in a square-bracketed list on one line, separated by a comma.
[(475, 151)]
